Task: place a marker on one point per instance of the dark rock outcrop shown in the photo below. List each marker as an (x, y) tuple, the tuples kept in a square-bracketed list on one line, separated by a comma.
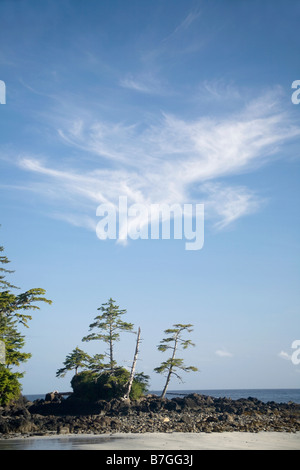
[(192, 413)]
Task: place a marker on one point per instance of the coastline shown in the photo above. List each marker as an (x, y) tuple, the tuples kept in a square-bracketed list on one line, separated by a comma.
[(192, 422), (235, 440)]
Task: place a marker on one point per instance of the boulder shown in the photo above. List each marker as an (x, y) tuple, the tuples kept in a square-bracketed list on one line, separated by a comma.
[(53, 396)]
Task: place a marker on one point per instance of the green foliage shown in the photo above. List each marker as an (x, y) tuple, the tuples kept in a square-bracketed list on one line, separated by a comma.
[(14, 311), (12, 306), (172, 342), (92, 386), (3, 271), (107, 326), (174, 363), (10, 387), (84, 385), (14, 343), (139, 386), (96, 363), (77, 358)]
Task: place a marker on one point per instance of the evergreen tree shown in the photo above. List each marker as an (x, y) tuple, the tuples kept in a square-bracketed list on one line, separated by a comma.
[(3, 282), (14, 311), (77, 358), (108, 325), (172, 364), (96, 363)]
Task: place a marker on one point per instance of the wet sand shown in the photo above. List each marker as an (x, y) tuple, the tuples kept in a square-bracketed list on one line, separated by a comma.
[(159, 441)]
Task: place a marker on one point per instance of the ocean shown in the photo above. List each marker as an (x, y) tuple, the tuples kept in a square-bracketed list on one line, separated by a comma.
[(279, 395)]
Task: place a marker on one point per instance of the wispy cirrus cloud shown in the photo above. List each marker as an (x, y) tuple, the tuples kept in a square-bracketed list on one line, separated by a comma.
[(148, 80), (184, 25), (219, 90), (144, 83), (169, 160), (136, 85)]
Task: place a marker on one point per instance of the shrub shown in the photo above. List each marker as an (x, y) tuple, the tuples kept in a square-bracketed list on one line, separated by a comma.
[(92, 386), (139, 386)]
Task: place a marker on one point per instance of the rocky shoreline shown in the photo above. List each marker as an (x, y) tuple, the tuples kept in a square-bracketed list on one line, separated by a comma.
[(190, 414)]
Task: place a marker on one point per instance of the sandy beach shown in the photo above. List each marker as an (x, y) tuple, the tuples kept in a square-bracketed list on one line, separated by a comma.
[(159, 441), (202, 441)]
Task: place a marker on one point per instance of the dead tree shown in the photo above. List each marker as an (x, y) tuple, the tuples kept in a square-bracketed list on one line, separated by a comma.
[(129, 385)]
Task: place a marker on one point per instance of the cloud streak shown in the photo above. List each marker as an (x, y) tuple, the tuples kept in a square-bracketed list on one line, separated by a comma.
[(168, 160)]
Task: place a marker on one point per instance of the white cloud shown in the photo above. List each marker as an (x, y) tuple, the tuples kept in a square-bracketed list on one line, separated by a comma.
[(171, 160), (219, 90), (146, 83), (136, 85), (230, 203), (223, 353)]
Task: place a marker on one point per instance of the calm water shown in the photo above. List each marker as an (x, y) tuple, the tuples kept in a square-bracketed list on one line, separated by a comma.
[(282, 395), (75, 442)]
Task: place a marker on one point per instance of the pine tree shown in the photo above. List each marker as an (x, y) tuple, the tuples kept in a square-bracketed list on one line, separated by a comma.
[(14, 311), (3, 281), (108, 326), (172, 364), (77, 358)]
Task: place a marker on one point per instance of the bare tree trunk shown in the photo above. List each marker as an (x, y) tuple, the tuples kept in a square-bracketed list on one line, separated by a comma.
[(126, 396)]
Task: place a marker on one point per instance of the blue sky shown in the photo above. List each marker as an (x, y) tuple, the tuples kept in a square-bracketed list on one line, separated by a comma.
[(162, 102)]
